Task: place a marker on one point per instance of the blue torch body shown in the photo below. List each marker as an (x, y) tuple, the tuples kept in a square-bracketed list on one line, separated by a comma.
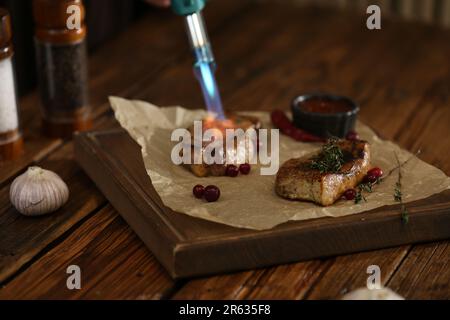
[(204, 65)]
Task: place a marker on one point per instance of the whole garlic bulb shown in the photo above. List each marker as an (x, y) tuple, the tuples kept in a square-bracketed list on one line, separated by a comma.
[(38, 192), (372, 294)]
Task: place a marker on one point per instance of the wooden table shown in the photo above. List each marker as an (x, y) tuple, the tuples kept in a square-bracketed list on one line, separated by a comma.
[(266, 55)]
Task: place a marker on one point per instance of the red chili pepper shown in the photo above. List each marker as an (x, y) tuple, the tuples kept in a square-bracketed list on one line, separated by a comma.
[(282, 122)]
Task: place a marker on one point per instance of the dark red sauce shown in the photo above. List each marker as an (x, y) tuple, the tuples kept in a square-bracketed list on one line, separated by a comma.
[(324, 105)]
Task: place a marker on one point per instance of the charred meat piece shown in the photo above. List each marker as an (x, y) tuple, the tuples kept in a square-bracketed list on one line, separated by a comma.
[(233, 121), (313, 179)]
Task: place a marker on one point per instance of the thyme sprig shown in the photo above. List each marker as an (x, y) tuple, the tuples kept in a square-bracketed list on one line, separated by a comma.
[(399, 165), (330, 159), (398, 192), (363, 187), (367, 187), (360, 197), (398, 196)]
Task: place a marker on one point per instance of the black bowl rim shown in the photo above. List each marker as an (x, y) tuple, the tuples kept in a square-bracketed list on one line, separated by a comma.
[(298, 99)]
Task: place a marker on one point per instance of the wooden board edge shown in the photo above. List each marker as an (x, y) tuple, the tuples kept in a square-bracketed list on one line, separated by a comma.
[(302, 245)]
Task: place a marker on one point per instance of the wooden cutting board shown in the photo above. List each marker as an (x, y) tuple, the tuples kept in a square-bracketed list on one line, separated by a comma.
[(189, 247)]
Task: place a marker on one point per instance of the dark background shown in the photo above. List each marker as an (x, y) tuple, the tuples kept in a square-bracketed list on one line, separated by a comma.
[(105, 19)]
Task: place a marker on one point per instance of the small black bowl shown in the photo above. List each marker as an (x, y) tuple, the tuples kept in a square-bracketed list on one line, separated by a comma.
[(336, 122)]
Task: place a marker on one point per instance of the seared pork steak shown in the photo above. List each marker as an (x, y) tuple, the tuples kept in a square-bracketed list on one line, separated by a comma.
[(300, 179)]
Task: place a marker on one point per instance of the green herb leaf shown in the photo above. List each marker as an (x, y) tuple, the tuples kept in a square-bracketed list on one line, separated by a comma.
[(398, 196), (405, 215), (367, 187), (330, 159), (398, 192), (360, 197)]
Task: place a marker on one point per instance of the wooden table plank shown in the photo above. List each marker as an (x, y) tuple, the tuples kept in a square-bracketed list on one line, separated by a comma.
[(104, 243), (281, 282), (349, 273), (26, 288), (298, 277), (23, 237), (425, 273)]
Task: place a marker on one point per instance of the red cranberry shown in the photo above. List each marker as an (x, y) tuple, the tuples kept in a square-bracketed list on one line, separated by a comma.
[(370, 178), (198, 191), (377, 172), (350, 194), (352, 136), (212, 193), (232, 171), (245, 168)]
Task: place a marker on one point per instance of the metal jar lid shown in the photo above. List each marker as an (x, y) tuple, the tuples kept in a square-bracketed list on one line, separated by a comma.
[(51, 18)]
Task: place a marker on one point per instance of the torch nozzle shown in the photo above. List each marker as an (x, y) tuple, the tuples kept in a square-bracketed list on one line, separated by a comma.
[(198, 38), (204, 66)]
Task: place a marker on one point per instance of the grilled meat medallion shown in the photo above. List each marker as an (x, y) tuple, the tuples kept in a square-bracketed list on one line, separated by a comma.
[(233, 121), (297, 180)]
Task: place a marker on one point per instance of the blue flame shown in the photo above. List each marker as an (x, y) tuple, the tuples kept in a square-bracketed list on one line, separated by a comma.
[(204, 72)]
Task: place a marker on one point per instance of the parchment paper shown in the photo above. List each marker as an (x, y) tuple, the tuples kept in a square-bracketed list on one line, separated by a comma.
[(250, 201)]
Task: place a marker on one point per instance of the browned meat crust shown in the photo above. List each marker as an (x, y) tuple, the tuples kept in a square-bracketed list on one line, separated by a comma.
[(297, 181)]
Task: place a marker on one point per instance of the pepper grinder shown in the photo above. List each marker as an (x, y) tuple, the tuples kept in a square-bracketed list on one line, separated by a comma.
[(61, 56), (11, 143)]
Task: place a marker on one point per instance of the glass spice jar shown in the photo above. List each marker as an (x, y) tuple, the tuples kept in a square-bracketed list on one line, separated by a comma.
[(61, 56), (11, 143)]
